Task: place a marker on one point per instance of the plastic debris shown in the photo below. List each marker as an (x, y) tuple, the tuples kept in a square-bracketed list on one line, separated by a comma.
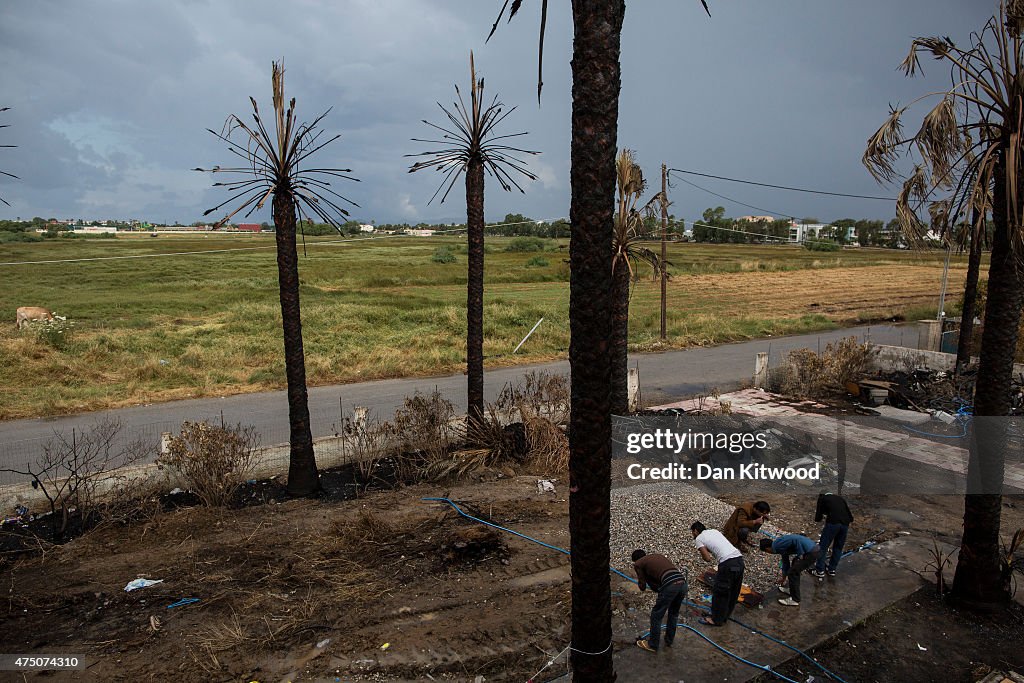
[(141, 583), (922, 649), (385, 646), (182, 602), (154, 623), (175, 491), (545, 486), (323, 643)]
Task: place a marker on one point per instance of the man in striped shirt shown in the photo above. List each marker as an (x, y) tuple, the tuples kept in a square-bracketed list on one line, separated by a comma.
[(658, 572)]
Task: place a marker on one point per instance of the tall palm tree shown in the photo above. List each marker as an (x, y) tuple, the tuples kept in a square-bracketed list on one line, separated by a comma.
[(5, 173), (470, 147), (972, 238), (628, 230), (596, 72), (970, 143), (274, 167)]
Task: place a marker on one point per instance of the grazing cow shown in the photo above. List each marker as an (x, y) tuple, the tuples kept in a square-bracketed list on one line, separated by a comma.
[(27, 314)]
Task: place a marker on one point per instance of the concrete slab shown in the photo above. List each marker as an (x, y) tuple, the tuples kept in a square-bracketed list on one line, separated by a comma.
[(868, 581)]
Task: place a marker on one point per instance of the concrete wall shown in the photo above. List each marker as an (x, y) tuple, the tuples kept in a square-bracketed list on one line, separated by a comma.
[(900, 358)]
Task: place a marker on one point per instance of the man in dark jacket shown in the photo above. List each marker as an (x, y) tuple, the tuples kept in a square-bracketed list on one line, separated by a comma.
[(745, 519), (837, 524), (658, 572)]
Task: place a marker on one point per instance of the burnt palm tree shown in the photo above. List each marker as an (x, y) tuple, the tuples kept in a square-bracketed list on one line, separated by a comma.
[(275, 167), (627, 252), (470, 146), (596, 72), (5, 173), (970, 144)]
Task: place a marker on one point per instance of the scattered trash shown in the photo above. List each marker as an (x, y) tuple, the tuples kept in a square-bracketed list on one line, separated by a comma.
[(385, 646), (140, 583), (175, 491), (164, 362), (154, 624), (323, 643), (546, 485), (182, 602), (922, 649)]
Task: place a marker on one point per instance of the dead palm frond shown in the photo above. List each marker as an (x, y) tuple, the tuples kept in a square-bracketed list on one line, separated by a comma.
[(629, 229), (471, 136), (5, 173), (974, 126), (516, 5), (275, 161)]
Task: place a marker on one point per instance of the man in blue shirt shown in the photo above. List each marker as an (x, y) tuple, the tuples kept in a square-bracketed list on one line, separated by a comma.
[(805, 552)]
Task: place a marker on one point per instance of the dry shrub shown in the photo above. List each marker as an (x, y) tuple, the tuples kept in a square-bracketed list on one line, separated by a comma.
[(547, 444), (76, 471), (425, 430), (213, 461), (370, 440), (810, 375), (539, 393), (371, 535)]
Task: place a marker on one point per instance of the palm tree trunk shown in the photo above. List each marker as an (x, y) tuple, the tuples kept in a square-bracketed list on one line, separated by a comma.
[(475, 289), (597, 28), (977, 577), (303, 479), (963, 347), (620, 338)]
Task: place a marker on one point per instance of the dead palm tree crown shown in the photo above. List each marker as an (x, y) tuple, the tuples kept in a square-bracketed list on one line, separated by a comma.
[(969, 148), (5, 173), (470, 146), (273, 168)]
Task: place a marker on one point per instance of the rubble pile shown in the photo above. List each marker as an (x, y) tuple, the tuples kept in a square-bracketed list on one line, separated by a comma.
[(657, 517)]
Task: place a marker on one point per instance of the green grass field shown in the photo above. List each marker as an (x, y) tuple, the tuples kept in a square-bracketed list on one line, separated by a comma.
[(175, 326)]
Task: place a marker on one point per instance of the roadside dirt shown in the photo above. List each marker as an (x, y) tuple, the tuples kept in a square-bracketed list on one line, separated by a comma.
[(386, 587)]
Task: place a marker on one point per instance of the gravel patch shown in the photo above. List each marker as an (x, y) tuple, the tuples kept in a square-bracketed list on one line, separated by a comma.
[(657, 518)]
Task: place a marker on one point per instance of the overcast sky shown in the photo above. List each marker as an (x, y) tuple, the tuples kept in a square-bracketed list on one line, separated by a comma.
[(110, 100)]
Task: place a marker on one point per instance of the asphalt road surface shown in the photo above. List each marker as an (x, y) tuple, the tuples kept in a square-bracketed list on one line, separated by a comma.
[(663, 377)]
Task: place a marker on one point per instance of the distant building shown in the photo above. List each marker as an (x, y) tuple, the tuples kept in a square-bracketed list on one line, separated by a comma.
[(96, 229), (249, 227), (757, 219), (367, 228), (419, 232), (799, 233)]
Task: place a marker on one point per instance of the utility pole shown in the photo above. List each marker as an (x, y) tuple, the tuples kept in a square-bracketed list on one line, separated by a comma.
[(664, 238)]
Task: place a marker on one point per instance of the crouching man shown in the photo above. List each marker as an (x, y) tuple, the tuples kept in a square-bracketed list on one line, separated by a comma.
[(658, 572), (714, 547), (805, 554)]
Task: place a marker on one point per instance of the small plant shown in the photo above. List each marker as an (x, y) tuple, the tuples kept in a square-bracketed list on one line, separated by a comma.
[(371, 440), (425, 433), (443, 255), (537, 262), (938, 564), (1011, 562), (539, 394), (55, 332), (213, 461)]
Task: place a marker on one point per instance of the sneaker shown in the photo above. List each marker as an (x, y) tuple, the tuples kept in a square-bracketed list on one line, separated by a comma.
[(831, 572), (784, 589), (789, 602), (644, 645), (820, 574)]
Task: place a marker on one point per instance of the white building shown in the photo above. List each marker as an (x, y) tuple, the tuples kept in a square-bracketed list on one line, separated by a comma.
[(367, 228), (801, 233)]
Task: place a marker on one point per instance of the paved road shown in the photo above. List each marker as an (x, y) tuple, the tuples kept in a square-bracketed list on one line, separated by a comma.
[(669, 375)]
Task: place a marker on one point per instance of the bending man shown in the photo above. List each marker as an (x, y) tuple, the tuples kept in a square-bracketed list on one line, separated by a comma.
[(714, 547), (658, 572)]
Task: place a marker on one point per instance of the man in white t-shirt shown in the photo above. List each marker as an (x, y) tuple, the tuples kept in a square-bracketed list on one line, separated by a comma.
[(715, 547)]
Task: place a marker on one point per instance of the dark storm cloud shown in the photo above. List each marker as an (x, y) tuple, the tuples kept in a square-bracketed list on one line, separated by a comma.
[(110, 100)]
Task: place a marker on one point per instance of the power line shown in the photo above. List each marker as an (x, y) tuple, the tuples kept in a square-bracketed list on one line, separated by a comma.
[(734, 201), (784, 187)]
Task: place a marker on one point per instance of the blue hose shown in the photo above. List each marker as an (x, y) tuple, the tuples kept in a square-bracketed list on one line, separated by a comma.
[(762, 667), (630, 578)]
